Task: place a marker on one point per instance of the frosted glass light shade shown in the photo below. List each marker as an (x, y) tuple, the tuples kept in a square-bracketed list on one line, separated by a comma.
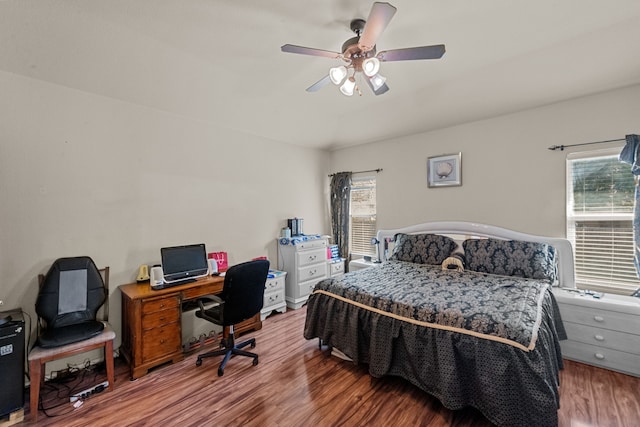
[(348, 86), (377, 81), (371, 66), (337, 74)]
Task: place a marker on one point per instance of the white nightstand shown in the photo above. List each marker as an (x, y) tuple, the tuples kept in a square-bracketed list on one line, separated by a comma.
[(336, 267), (601, 331), (274, 299), (359, 264)]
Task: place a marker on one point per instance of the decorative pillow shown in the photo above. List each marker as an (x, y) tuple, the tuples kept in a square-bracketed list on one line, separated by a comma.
[(422, 248), (511, 258)]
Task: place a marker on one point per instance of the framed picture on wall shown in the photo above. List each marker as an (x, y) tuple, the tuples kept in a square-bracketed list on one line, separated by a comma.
[(445, 170)]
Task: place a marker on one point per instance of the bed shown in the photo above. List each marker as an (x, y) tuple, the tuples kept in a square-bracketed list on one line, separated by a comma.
[(482, 331)]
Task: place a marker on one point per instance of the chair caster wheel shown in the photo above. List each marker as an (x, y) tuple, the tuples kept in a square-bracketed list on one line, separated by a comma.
[(255, 361), (253, 345), (220, 372), (198, 362)]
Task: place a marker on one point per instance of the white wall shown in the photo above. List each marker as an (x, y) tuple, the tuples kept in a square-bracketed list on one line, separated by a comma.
[(509, 176), (87, 175)]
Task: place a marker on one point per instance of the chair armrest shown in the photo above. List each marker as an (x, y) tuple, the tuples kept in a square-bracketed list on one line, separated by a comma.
[(202, 310), (213, 297)]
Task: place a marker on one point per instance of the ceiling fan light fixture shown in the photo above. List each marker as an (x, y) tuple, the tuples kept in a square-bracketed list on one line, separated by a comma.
[(348, 86), (377, 81), (371, 66), (337, 74)]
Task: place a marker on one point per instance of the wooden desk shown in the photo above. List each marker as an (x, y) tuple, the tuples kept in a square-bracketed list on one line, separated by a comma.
[(151, 329)]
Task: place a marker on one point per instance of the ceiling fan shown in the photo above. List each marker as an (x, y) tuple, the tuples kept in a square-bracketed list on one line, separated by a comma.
[(359, 54)]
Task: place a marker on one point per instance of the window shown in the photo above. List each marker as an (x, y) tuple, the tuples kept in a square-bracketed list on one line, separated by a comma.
[(362, 216), (600, 199)]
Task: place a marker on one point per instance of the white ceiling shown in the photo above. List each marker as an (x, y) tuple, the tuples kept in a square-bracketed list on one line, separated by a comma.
[(220, 60)]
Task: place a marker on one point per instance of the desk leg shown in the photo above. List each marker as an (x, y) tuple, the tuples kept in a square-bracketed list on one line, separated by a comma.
[(35, 371)]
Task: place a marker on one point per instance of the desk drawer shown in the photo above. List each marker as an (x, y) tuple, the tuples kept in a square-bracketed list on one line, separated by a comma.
[(159, 318), (160, 341), (159, 304), (199, 291)]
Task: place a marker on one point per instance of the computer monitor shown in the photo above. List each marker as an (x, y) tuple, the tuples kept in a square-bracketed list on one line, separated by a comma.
[(184, 262)]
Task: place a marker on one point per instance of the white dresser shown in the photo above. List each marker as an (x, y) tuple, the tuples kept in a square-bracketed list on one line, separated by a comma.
[(602, 331), (305, 262), (274, 294)]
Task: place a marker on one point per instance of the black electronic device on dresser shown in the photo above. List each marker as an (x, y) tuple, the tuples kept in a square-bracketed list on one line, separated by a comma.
[(11, 361)]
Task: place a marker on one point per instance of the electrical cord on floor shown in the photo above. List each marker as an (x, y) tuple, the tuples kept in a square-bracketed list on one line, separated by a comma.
[(61, 389)]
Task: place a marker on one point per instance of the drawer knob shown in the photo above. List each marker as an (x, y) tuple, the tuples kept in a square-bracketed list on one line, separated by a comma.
[(599, 356), (312, 272), (598, 318), (161, 341), (599, 338), (312, 257)]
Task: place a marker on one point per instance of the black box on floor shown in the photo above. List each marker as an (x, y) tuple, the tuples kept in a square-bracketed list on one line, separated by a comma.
[(11, 361)]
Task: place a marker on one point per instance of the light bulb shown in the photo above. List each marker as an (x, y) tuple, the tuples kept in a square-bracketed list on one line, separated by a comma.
[(370, 66), (337, 74), (348, 86)]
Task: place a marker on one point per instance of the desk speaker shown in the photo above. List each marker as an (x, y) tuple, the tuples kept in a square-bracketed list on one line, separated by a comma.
[(157, 276)]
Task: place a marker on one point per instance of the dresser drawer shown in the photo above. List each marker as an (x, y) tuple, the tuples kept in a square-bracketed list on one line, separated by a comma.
[(336, 268), (314, 256), (273, 298), (605, 357), (161, 341), (313, 244), (158, 304), (600, 318), (622, 341), (306, 288), (159, 318), (274, 284), (313, 272)]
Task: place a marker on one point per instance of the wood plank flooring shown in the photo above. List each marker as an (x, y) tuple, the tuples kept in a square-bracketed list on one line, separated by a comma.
[(296, 384)]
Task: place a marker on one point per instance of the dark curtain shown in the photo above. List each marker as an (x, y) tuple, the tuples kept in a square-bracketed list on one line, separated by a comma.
[(629, 154), (340, 199)]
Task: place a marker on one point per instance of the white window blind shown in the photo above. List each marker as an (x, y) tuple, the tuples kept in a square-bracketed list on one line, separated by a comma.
[(363, 215), (600, 199)]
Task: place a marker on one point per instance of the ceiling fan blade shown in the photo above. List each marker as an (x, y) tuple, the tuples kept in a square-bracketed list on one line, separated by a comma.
[(382, 89), (319, 84), (309, 51), (411, 53), (379, 17)]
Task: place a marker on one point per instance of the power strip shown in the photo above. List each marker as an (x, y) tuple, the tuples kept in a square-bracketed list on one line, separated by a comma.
[(89, 392)]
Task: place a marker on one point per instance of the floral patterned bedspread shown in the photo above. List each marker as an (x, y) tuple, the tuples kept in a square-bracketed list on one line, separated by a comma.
[(498, 308)]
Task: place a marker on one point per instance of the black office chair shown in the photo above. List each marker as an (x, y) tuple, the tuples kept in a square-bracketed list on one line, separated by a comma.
[(241, 298)]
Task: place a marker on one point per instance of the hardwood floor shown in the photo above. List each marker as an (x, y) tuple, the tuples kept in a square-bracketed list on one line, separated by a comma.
[(296, 384)]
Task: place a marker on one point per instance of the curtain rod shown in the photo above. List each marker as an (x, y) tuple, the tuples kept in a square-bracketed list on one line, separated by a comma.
[(372, 170), (562, 147)]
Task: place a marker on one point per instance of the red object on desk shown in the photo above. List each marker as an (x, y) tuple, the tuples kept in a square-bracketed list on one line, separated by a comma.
[(221, 260)]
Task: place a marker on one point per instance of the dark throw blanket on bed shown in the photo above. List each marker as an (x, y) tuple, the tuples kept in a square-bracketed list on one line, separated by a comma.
[(469, 339)]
